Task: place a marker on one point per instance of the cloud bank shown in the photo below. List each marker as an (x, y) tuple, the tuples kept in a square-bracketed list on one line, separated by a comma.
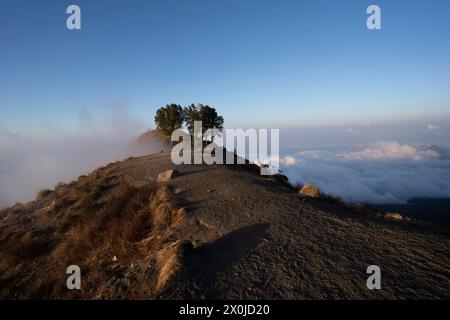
[(384, 150), (383, 172), (30, 162)]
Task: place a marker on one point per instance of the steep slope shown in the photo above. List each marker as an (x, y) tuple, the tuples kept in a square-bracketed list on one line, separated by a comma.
[(210, 232)]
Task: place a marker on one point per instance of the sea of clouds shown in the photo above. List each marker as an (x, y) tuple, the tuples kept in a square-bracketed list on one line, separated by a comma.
[(381, 172)]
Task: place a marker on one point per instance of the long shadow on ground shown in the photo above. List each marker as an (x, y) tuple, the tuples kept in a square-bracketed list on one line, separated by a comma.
[(205, 262)]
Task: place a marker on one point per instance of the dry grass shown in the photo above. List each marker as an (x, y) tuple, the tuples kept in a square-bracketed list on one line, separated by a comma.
[(364, 210), (89, 234), (332, 199), (311, 191)]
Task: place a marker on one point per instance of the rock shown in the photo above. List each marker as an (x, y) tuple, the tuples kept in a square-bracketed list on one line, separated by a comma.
[(310, 191), (167, 175), (114, 259), (178, 190), (205, 224), (393, 216)]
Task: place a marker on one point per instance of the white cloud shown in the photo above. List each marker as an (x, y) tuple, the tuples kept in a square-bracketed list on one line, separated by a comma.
[(433, 127), (312, 154), (288, 161), (389, 150), (382, 173), (353, 131)]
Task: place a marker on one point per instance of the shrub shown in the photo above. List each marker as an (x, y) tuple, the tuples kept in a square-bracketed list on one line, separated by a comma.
[(43, 193)]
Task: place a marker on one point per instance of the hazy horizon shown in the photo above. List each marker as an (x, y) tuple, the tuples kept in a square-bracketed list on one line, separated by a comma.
[(367, 163)]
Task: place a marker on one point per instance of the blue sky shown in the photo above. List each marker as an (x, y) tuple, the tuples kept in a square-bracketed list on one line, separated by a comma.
[(260, 63)]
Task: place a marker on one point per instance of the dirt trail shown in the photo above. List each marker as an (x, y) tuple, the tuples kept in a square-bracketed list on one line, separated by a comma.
[(240, 236)]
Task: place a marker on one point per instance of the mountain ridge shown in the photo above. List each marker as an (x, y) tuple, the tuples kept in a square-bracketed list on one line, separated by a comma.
[(210, 232)]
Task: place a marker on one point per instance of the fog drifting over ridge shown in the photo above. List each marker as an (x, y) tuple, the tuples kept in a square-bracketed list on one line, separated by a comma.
[(30, 162)]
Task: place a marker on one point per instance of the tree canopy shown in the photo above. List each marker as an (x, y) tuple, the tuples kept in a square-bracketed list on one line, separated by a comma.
[(208, 115), (169, 118), (172, 117)]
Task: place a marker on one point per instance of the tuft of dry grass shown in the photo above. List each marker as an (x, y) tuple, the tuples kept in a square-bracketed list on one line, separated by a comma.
[(43, 194), (168, 262), (310, 190), (331, 199)]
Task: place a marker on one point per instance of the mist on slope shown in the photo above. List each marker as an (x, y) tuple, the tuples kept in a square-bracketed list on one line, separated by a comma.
[(30, 162)]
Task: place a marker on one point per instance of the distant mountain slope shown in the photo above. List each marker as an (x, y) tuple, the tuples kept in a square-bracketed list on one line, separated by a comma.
[(210, 232)]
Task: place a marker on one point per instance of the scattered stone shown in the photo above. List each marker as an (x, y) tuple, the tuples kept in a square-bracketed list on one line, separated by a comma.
[(167, 175), (114, 259), (204, 224), (310, 191), (210, 190)]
